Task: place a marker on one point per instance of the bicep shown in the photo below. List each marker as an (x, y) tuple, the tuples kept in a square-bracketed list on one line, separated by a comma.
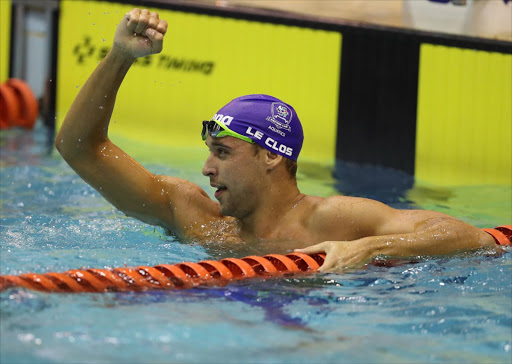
[(359, 217), (389, 221), (135, 191)]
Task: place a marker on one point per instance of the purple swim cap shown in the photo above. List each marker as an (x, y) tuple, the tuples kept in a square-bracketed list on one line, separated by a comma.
[(265, 120)]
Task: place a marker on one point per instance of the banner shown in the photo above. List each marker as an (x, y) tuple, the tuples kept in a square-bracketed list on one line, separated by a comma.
[(206, 62), (464, 118)]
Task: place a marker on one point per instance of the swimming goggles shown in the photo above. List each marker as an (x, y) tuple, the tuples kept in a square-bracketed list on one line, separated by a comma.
[(218, 130)]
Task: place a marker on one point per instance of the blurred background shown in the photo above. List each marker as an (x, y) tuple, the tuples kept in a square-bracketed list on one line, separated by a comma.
[(479, 18), (476, 18), (408, 79)]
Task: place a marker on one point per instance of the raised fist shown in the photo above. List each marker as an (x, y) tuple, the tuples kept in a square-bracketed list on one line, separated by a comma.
[(140, 33)]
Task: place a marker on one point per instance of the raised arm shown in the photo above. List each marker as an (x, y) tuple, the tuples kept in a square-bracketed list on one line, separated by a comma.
[(83, 139), (381, 230)]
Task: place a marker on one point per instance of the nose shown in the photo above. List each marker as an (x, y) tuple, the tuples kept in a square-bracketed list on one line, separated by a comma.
[(209, 167)]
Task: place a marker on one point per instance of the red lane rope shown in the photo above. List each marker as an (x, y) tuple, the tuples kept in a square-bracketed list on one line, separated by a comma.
[(502, 234), (166, 276), (28, 106), (9, 107), (18, 105), (184, 275)]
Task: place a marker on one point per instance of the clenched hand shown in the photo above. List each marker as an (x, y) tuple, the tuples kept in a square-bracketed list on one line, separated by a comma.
[(140, 33)]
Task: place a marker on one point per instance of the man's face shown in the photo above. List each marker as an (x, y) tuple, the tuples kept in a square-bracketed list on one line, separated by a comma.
[(236, 171)]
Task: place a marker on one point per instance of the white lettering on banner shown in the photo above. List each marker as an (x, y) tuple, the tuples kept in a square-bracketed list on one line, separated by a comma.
[(279, 147), (258, 134), (226, 120)]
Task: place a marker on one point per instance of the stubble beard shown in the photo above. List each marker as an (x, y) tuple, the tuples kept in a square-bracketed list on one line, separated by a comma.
[(234, 208)]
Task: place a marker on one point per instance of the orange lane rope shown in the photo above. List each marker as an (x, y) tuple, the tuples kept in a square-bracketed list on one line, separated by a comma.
[(501, 234), (184, 275), (166, 276), (18, 105)]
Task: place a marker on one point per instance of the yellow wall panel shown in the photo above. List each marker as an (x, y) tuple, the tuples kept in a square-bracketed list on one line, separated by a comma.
[(464, 124), (5, 38), (163, 101)]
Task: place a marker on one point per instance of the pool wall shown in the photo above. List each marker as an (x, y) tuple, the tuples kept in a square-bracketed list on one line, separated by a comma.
[(434, 106)]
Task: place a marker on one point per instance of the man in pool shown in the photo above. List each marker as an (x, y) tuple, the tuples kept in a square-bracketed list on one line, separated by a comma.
[(254, 142)]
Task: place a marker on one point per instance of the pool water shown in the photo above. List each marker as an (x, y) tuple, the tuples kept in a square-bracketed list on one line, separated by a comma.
[(452, 309)]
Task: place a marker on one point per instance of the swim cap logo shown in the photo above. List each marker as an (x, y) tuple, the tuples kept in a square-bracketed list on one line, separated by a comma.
[(282, 111), (223, 119), (281, 116)]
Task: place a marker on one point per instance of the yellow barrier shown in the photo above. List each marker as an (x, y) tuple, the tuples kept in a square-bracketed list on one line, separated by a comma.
[(5, 38), (206, 62), (464, 118)]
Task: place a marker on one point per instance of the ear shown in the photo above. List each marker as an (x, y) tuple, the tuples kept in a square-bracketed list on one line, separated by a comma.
[(272, 160)]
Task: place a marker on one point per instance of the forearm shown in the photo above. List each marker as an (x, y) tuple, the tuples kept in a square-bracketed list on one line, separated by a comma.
[(434, 237), (86, 124)]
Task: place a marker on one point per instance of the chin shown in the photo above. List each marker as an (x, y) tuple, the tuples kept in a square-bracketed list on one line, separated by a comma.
[(224, 210), (227, 211)]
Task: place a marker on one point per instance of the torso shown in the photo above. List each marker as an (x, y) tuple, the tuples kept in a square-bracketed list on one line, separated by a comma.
[(302, 226)]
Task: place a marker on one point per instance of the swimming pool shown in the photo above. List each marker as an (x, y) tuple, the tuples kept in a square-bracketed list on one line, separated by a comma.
[(456, 309)]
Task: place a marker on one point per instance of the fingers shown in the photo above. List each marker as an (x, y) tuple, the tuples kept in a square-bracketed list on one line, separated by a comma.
[(162, 27), (325, 247), (313, 249), (330, 262), (132, 17), (141, 20), (156, 38), (332, 254), (153, 20)]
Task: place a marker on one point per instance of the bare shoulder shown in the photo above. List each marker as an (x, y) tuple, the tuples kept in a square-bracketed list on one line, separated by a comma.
[(355, 217), (185, 204), (186, 194), (351, 206), (349, 218)]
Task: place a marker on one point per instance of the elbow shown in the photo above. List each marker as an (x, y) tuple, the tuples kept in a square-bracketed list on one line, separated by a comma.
[(58, 143), (72, 148), (63, 148)]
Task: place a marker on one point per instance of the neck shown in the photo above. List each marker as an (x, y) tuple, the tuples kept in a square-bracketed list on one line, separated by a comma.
[(274, 205)]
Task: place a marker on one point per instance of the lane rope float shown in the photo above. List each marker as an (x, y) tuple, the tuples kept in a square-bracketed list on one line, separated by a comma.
[(18, 105), (28, 106), (502, 234), (184, 275), (9, 107), (166, 276)]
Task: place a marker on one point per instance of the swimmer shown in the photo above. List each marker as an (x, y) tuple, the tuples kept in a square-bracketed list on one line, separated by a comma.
[(254, 142)]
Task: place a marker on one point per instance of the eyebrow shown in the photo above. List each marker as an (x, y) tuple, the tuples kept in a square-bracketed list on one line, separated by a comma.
[(218, 144)]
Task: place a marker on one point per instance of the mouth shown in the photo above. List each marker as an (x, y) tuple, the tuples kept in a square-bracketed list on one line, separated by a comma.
[(220, 190)]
